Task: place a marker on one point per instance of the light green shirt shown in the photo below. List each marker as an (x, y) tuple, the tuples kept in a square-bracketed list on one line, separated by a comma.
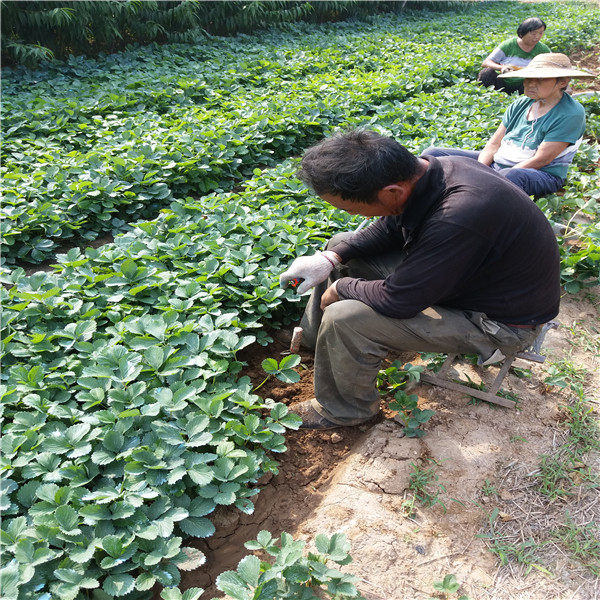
[(510, 53)]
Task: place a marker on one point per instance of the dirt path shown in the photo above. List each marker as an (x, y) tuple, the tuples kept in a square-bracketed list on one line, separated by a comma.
[(356, 480)]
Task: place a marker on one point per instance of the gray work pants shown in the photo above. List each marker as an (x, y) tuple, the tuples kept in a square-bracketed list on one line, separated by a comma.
[(351, 340)]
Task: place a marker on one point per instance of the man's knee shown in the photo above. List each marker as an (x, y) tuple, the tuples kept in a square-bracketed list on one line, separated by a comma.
[(345, 313)]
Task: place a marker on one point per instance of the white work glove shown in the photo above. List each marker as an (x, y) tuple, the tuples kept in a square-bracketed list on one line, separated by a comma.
[(311, 269)]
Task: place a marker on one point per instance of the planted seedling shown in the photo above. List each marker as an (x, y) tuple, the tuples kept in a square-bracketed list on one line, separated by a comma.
[(449, 586), (282, 370), (398, 376), (434, 360), (177, 594), (409, 414), (394, 380), (291, 573)]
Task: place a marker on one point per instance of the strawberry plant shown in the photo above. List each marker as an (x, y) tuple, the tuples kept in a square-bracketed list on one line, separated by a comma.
[(449, 586), (394, 380), (282, 370), (291, 574), (398, 376), (411, 416)]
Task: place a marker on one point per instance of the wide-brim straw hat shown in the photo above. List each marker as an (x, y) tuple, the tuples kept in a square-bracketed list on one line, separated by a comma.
[(550, 64)]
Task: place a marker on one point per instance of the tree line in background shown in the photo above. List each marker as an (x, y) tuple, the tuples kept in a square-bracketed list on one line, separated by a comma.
[(33, 31)]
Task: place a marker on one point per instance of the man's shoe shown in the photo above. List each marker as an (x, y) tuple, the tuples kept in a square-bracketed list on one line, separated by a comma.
[(311, 419)]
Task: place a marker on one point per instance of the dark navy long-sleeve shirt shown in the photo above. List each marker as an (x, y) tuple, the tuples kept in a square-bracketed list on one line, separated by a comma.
[(470, 240)]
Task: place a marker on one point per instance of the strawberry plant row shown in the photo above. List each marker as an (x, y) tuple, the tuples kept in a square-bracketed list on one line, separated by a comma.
[(158, 79), (99, 171), (64, 101), (139, 162), (124, 420)]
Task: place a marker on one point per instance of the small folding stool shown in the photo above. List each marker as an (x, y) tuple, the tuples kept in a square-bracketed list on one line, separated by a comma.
[(491, 395)]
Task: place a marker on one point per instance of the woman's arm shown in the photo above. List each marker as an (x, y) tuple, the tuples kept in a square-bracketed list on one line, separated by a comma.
[(488, 62), (486, 156), (495, 58), (545, 154), (491, 64)]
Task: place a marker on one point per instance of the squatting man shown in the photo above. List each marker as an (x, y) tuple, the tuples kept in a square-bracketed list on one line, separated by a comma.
[(460, 260)]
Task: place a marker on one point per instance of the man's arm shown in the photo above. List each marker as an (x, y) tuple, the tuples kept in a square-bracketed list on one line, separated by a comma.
[(545, 154), (486, 156), (447, 255), (379, 237)]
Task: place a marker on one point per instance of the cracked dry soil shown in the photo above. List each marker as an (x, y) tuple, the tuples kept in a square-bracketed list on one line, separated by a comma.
[(356, 479)]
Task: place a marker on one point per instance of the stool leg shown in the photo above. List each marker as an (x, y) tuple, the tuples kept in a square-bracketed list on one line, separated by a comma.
[(488, 396), (447, 364), (508, 361)]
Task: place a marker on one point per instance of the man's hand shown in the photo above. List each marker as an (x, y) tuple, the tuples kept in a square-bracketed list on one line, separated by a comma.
[(507, 68), (311, 269), (329, 296)]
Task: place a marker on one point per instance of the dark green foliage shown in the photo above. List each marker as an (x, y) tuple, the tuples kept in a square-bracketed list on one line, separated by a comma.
[(289, 574), (33, 30), (36, 30)]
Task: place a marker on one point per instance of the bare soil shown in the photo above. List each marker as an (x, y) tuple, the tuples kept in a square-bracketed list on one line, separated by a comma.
[(356, 480)]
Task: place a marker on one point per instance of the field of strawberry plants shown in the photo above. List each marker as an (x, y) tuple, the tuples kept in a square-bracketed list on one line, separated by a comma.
[(126, 419)]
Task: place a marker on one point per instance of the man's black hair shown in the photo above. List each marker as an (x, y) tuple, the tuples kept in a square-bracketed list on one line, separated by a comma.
[(356, 165), (530, 24)]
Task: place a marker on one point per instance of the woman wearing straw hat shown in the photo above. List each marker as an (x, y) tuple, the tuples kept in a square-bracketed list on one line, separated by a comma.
[(514, 54), (540, 132)]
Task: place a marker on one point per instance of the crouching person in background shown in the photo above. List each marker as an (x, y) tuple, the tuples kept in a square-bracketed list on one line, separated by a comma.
[(514, 54)]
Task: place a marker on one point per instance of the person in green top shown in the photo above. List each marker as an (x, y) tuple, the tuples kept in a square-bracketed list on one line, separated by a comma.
[(512, 55)]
